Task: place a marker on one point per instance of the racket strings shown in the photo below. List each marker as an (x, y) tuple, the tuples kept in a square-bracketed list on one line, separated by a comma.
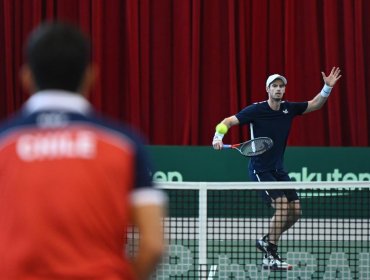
[(255, 147)]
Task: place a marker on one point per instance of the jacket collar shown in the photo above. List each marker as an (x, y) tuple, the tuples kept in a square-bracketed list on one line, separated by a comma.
[(59, 100)]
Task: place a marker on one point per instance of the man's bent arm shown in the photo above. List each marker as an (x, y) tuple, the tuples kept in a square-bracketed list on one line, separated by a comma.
[(148, 219), (316, 103)]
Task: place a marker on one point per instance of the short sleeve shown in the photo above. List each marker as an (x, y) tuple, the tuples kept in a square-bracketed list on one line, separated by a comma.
[(246, 114), (143, 168), (298, 107)]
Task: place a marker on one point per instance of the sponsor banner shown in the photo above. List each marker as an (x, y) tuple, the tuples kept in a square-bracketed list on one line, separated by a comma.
[(201, 163)]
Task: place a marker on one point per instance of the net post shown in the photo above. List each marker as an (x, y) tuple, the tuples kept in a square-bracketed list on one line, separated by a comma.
[(202, 220)]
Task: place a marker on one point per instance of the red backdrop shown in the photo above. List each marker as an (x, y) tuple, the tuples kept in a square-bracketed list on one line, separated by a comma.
[(176, 68)]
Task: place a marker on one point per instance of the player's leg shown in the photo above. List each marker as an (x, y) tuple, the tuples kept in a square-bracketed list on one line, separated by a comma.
[(280, 220), (276, 199), (293, 215), (273, 260), (289, 211), (278, 225), (262, 243), (294, 206)]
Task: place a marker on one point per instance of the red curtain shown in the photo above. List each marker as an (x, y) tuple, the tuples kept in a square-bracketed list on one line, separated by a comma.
[(175, 69)]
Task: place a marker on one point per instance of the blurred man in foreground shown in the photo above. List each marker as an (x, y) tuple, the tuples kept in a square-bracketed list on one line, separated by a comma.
[(71, 181)]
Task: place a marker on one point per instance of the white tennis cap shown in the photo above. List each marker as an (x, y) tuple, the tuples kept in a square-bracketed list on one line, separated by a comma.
[(273, 77)]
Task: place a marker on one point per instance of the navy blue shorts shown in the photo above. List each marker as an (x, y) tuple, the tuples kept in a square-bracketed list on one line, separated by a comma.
[(272, 176)]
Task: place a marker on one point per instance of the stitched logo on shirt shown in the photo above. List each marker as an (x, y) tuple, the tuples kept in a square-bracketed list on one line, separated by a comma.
[(285, 111)]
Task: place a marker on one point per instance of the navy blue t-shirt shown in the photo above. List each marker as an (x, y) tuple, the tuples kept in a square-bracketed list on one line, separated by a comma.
[(266, 122)]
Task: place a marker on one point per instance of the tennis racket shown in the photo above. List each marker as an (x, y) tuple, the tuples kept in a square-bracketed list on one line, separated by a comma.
[(253, 147)]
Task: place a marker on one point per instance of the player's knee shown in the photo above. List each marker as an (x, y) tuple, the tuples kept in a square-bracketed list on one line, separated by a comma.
[(281, 204), (297, 212)]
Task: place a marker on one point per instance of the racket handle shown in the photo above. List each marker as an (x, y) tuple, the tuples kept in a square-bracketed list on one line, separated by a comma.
[(226, 146)]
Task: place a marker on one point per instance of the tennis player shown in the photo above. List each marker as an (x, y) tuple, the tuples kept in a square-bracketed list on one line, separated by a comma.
[(71, 181), (273, 118)]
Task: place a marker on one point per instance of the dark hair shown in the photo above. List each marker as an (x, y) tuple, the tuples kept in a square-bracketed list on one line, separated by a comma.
[(58, 54)]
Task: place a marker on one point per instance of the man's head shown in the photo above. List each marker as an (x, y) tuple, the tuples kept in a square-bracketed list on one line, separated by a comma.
[(57, 57), (275, 86), (274, 77)]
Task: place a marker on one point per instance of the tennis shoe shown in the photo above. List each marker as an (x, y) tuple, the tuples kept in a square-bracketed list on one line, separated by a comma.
[(275, 263), (265, 261), (263, 244)]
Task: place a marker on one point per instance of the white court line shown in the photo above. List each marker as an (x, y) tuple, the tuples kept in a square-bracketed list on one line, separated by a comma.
[(212, 272)]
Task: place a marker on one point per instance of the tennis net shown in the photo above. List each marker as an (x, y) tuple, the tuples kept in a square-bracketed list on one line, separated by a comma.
[(212, 230)]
